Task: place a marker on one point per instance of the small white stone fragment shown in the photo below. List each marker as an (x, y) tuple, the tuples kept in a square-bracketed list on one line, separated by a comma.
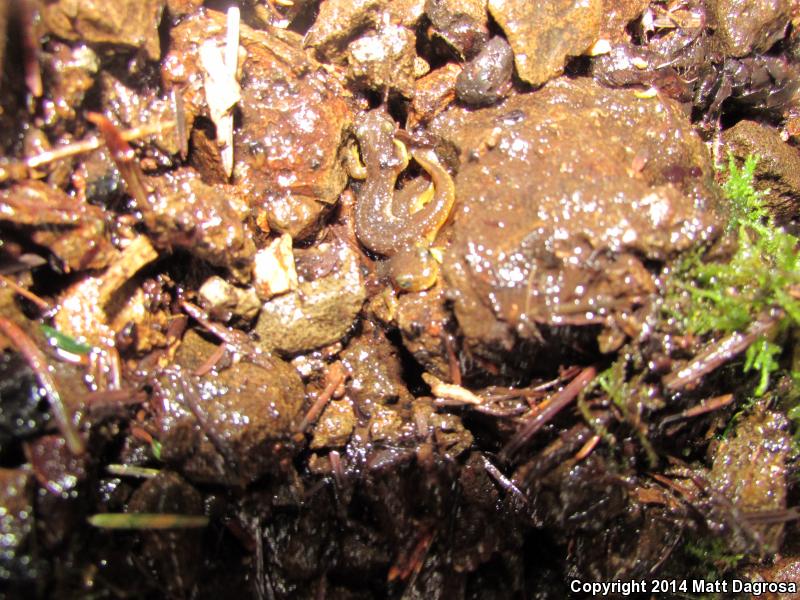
[(601, 46), (223, 301), (274, 271)]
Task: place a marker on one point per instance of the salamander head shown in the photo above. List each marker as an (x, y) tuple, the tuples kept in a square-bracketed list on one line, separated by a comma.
[(413, 269)]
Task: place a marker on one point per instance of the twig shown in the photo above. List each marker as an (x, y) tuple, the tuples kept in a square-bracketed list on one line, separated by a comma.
[(42, 304), (221, 88), (721, 352), (337, 468), (335, 376), (118, 397), (30, 49), (452, 360), (180, 122), (123, 156), (192, 402), (704, 407), (587, 448), (93, 143), (502, 480), (211, 361), (238, 341), (555, 405)]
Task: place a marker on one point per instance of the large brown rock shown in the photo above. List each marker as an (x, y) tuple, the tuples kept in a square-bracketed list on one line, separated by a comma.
[(544, 33), (132, 23), (745, 26), (231, 425), (563, 195), (777, 170), (750, 470), (319, 312)]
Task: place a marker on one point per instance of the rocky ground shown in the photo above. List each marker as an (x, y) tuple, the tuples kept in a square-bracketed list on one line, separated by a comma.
[(397, 299)]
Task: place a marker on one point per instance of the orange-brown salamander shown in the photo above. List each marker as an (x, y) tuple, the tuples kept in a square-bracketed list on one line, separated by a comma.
[(395, 225)]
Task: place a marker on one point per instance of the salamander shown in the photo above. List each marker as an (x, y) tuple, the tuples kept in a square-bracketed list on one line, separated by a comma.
[(393, 224)]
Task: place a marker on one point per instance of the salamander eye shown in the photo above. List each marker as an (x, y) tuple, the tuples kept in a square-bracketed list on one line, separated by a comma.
[(414, 269), (404, 282)]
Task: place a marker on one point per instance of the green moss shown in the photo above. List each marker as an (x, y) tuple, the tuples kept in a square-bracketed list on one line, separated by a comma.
[(762, 276), (711, 560)]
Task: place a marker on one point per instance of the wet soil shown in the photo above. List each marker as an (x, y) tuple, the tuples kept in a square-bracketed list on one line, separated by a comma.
[(366, 299)]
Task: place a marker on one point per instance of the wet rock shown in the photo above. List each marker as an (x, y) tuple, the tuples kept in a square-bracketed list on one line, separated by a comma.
[(318, 313), (562, 194), (293, 118), (302, 547), (248, 413), (778, 168), (750, 469), (334, 426), (611, 552), (139, 107), (463, 25), (74, 231), (69, 75), (487, 77), (362, 551), (172, 558), (205, 154), (58, 470), (422, 319), (441, 11), (433, 93), (672, 60), (298, 216), (89, 306), (224, 301), (450, 437), (186, 213), (383, 60), (193, 351), (745, 26), (131, 23), (340, 21), (484, 531), (294, 16), (763, 83), (544, 34), (567, 497), (181, 8), (16, 525), (624, 64), (375, 372), (23, 411), (617, 14), (784, 568), (372, 39), (387, 425)]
